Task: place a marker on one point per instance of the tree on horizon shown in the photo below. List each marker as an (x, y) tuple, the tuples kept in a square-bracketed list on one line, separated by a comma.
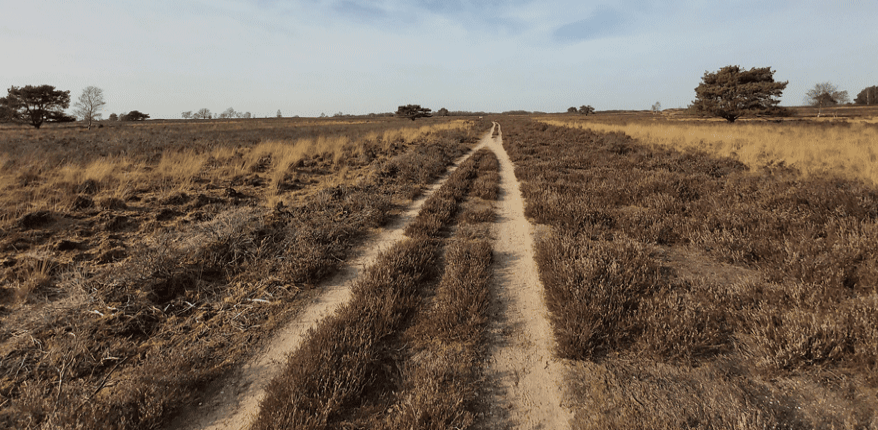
[(36, 105), (825, 94), (733, 92), (586, 110), (413, 112), (869, 96), (88, 105)]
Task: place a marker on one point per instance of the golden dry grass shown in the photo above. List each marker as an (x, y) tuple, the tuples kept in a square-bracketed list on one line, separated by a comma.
[(35, 185), (848, 151)]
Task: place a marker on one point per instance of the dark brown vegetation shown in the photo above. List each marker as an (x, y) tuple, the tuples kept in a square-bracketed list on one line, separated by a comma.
[(693, 292), (733, 92), (120, 299), (441, 207), (404, 352)]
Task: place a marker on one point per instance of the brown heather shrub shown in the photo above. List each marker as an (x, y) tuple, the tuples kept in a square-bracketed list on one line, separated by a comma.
[(721, 394), (441, 207), (441, 378), (593, 291), (487, 184), (380, 362), (461, 301), (799, 327), (170, 289), (341, 361), (473, 216)]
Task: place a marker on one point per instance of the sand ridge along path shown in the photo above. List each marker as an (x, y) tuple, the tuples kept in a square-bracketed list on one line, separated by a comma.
[(525, 375), (234, 402)]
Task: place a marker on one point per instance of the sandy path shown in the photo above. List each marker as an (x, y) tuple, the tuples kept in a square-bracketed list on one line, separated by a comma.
[(526, 378), (235, 401)]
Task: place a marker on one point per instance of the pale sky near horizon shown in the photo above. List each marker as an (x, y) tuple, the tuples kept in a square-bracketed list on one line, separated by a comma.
[(310, 57)]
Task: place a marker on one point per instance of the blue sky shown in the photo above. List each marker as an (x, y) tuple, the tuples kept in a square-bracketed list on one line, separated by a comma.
[(307, 57)]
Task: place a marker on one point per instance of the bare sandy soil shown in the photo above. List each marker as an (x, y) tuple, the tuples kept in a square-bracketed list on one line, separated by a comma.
[(233, 402), (525, 379)]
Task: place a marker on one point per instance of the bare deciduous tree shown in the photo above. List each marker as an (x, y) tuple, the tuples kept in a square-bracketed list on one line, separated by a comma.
[(657, 107), (203, 113), (90, 102), (825, 94), (228, 113), (187, 114)]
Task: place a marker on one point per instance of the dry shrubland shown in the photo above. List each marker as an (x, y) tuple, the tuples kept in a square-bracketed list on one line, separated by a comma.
[(47, 169), (845, 149), (405, 351), (690, 290), (141, 262)]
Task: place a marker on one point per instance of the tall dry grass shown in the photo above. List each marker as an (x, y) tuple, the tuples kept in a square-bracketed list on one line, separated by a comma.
[(846, 150)]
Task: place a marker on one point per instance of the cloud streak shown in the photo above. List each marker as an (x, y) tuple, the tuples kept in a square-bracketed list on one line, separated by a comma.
[(604, 22)]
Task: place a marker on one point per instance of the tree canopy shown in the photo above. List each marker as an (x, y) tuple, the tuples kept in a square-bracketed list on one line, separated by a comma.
[(733, 92), (572, 109), (869, 96), (413, 112), (586, 110), (134, 116), (35, 105)]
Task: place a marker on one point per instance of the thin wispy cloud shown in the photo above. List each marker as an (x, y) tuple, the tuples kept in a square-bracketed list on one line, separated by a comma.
[(603, 22)]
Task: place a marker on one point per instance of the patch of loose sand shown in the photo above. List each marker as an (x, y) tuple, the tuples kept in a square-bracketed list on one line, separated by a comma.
[(525, 379)]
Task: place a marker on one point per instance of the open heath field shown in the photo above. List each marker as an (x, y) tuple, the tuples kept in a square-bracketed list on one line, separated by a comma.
[(141, 263), (509, 272), (833, 146), (690, 290)]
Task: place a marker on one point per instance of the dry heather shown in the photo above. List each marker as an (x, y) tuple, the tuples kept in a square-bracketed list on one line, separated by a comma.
[(154, 272), (842, 149), (441, 207), (404, 352), (48, 169), (693, 292)]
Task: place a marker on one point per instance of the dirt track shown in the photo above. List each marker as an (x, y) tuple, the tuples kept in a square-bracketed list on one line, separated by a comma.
[(526, 378), (234, 402)]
